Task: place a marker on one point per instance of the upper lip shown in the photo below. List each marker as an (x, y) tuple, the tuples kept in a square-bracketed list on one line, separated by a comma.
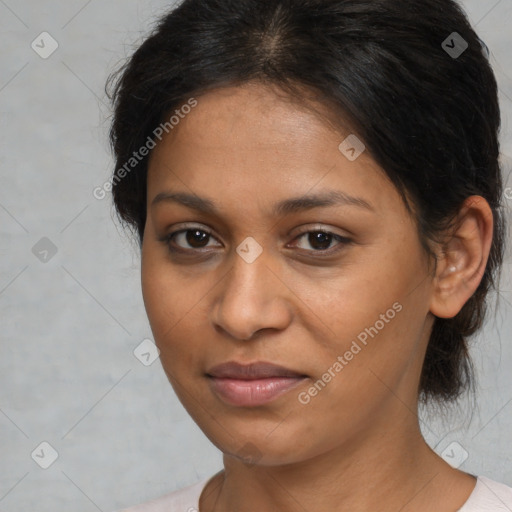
[(258, 370)]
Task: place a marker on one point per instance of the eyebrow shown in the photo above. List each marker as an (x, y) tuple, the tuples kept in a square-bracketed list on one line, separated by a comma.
[(285, 207)]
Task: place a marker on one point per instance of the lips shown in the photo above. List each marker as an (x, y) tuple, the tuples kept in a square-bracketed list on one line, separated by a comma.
[(260, 370), (253, 384)]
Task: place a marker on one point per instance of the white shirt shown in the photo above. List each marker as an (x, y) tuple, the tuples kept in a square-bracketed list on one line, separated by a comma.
[(487, 496)]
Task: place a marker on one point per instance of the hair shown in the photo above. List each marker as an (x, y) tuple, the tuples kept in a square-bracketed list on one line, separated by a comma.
[(430, 119)]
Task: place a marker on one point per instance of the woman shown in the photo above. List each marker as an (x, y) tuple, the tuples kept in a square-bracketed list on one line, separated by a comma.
[(316, 191)]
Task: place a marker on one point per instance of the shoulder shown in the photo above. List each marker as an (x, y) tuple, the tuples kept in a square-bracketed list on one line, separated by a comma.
[(182, 500), (489, 496)]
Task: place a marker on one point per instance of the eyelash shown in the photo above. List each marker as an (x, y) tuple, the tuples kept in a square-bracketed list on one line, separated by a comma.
[(168, 239)]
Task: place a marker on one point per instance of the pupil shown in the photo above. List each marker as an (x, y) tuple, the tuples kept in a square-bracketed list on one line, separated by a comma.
[(318, 240), (323, 238), (192, 237)]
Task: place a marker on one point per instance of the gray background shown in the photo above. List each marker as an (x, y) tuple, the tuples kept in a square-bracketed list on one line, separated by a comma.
[(69, 325)]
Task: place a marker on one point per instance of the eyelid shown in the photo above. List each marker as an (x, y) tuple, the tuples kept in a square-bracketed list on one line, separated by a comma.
[(166, 238), (179, 228), (342, 240), (315, 228)]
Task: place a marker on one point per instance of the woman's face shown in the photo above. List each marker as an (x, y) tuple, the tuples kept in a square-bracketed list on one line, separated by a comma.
[(254, 280)]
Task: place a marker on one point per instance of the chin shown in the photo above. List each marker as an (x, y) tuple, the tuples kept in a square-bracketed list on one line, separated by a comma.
[(265, 445)]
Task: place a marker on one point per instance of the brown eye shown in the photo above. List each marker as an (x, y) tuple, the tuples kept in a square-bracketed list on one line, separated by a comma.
[(321, 241), (187, 240), (195, 237)]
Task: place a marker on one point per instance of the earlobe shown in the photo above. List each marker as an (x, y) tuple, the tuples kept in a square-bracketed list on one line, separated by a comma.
[(463, 259)]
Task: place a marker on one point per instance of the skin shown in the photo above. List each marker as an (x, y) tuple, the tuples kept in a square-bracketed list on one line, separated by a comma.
[(357, 444)]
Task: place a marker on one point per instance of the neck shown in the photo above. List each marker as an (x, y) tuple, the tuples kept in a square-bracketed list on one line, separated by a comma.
[(387, 468)]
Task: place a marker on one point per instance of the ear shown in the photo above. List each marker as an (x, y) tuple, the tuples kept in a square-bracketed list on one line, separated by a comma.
[(462, 258)]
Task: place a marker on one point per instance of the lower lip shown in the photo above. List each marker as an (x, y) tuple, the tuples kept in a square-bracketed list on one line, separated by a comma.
[(251, 393)]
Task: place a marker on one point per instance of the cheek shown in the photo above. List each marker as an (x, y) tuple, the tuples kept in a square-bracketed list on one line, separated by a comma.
[(165, 299), (175, 309), (159, 299), (363, 299), (373, 318)]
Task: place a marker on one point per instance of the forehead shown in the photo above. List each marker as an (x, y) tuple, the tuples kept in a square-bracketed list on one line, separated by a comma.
[(255, 137), (258, 119), (253, 114)]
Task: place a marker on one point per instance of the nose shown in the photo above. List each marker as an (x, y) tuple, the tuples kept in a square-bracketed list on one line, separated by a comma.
[(251, 297)]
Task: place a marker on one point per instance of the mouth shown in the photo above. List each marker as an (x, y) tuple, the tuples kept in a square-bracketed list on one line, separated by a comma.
[(253, 384)]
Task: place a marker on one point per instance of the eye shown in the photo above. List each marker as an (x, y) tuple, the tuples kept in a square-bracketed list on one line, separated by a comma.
[(187, 240), (321, 240), (193, 239)]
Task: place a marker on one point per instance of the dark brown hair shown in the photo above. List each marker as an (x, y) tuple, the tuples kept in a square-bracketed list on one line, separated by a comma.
[(424, 104)]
